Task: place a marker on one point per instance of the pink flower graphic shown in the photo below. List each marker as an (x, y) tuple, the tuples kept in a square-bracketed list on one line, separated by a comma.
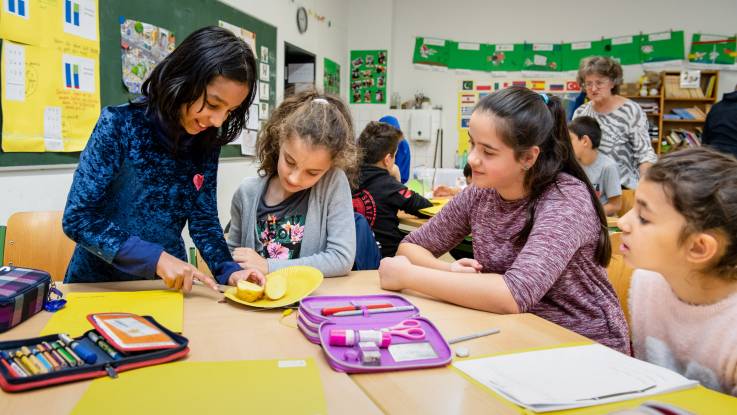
[(298, 232), (265, 235), (277, 251)]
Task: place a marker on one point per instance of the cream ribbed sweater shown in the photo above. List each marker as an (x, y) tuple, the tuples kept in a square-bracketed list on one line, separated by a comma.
[(698, 341)]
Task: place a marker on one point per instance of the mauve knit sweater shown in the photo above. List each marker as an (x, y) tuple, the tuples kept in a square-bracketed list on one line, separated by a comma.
[(555, 274)]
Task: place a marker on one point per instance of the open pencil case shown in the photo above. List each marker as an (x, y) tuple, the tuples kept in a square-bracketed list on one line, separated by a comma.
[(370, 340), (50, 360)]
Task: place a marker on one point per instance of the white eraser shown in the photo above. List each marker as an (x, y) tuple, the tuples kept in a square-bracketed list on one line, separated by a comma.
[(462, 351)]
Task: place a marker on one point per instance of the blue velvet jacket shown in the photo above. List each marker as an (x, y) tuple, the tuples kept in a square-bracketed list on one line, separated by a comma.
[(131, 197)]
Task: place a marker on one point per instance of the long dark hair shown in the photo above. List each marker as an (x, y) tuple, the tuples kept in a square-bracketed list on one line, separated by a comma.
[(529, 119), (182, 77)]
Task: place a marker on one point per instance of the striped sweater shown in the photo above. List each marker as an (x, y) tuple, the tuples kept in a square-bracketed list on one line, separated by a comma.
[(624, 137)]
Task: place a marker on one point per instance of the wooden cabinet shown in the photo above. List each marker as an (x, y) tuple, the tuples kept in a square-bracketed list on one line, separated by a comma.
[(677, 115), (684, 110)]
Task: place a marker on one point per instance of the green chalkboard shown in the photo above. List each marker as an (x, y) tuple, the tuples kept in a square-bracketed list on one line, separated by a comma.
[(181, 17)]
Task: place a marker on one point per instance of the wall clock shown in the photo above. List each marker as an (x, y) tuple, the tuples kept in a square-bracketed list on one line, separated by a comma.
[(302, 20)]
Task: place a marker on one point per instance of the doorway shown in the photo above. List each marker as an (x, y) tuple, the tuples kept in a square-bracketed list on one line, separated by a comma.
[(299, 69)]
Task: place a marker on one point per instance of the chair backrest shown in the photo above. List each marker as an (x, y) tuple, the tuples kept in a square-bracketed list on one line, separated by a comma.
[(628, 201), (199, 262), (620, 274), (36, 240), (368, 254)]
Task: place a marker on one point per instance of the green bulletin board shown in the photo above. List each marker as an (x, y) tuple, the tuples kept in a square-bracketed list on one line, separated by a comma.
[(181, 17), (713, 49), (432, 51), (626, 49), (368, 76), (663, 46), (470, 56), (331, 77), (507, 57), (544, 57), (573, 53)]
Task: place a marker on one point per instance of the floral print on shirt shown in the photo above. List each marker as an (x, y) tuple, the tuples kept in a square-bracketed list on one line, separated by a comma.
[(281, 238)]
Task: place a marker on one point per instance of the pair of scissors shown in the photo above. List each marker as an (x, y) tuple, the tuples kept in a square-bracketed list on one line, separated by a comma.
[(409, 329)]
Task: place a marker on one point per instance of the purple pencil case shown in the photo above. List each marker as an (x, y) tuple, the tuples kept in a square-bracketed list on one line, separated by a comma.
[(309, 315), (23, 292), (402, 353)]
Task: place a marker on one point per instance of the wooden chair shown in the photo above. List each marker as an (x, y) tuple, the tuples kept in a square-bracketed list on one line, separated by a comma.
[(36, 240), (628, 201), (620, 274), (199, 262)]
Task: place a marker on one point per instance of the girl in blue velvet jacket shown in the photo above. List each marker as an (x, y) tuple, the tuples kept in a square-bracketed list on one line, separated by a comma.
[(151, 166)]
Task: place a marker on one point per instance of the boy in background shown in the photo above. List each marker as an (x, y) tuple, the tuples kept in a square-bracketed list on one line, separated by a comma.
[(601, 169), (380, 196)]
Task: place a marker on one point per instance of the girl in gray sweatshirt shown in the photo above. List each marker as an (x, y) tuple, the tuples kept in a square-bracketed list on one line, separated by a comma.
[(299, 211)]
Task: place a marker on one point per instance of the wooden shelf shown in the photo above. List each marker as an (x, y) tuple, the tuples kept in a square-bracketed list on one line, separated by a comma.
[(691, 99), (641, 97), (684, 121), (667, 104)]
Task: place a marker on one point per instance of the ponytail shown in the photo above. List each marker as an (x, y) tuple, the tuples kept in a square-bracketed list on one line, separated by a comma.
[(570, 165)]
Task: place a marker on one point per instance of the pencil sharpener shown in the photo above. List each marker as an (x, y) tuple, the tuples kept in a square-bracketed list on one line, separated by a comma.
[(368, 354)]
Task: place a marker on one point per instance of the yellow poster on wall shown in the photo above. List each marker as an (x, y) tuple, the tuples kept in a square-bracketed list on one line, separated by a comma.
[(467, 100), (20, 20), (51, 98), (45, 23), (472, 91), (50, 74)]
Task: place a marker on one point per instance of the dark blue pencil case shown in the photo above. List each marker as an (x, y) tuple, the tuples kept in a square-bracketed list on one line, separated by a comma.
[(12, 380)]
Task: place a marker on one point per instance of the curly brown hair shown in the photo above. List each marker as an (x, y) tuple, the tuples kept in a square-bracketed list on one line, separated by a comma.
[(602, 66), (702, 185), (321, 120)]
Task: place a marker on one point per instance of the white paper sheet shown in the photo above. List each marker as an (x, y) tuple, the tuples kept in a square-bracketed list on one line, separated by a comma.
[(571, 377), (14, 71)]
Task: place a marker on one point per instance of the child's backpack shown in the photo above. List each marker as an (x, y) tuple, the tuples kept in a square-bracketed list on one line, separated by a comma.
[(368, 254)]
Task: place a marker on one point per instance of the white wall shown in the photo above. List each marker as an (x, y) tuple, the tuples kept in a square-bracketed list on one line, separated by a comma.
[(370, 27), (323, 41), (509, 21), (392, 25), (47, 189)]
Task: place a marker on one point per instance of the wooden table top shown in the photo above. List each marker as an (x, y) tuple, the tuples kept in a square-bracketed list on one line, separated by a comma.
[(220, 331)]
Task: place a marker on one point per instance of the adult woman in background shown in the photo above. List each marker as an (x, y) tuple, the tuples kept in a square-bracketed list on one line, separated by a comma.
[(624, 126)]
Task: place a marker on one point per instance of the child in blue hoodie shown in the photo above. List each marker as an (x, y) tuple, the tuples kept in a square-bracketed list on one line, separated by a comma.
[(151, 166)]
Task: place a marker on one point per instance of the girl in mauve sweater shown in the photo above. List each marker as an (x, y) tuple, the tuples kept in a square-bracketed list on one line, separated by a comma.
[(540, 238)]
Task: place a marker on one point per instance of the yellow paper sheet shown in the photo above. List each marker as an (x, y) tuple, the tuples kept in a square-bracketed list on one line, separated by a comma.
[(437, 204), (51, 97), (51, 22), (50, 74), (167, 307), (235, 387)]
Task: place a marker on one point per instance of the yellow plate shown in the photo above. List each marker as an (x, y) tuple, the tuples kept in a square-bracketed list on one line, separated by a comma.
[(301, 281)]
